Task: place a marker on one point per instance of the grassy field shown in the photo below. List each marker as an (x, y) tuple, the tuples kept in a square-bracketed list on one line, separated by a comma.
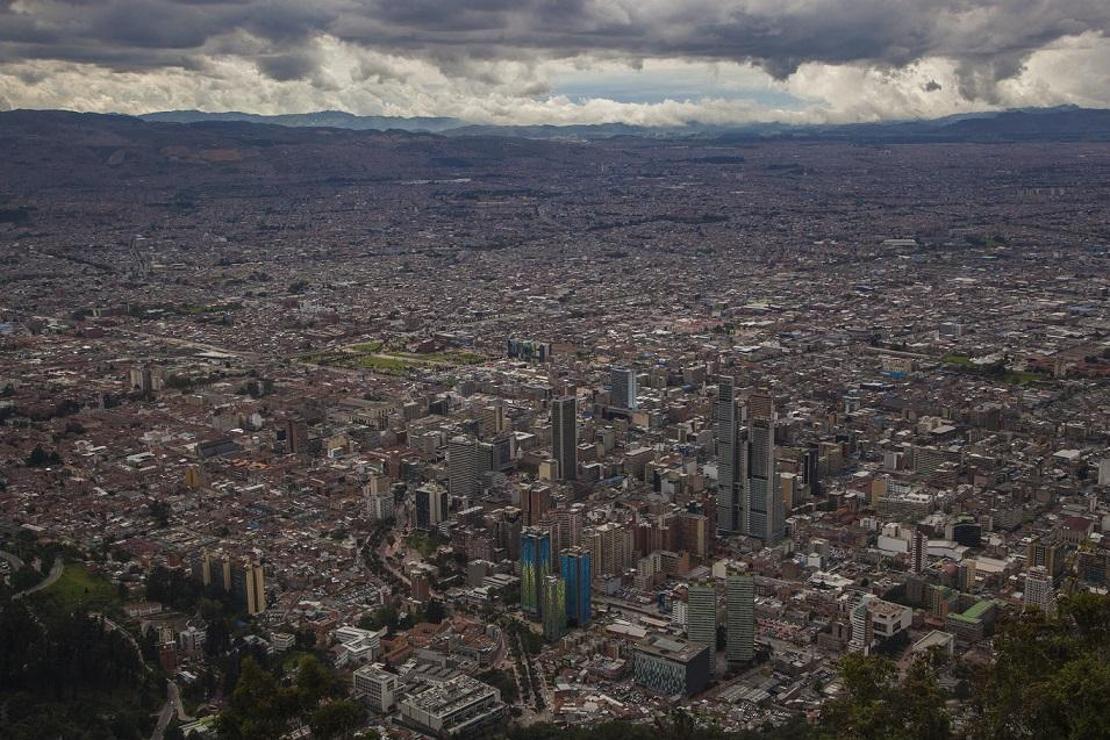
[(377, 357), (77, 588), (964, 364)]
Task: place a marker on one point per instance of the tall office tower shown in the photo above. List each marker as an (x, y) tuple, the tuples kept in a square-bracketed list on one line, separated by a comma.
[(564, 436), (919, 551), (296, 435), (506, 529), (701, 614), (491, 420), (535, 501), (575, 567), (554, 608), (464, 467), (740, 611), (431, 506), (379, 506), (729, 475), (497, 454), (694, 534), (535, 565), (622, 383), (764, 512), (1039, 593)]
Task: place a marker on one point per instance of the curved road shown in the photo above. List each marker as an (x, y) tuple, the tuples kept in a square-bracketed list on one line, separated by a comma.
[(13, 559), (55, 574)]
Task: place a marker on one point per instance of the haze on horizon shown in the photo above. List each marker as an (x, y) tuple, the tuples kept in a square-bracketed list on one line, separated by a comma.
[(648, 62)]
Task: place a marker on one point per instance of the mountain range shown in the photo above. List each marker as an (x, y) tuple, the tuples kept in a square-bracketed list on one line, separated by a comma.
[(1058, 123)]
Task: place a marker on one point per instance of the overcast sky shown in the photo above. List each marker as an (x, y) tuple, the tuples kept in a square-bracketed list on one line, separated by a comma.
[(653, 62)]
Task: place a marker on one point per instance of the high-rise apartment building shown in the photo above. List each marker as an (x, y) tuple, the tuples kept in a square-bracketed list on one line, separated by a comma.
[(919, 551), (863, 626), (243, 578), (1039, 592), (612, 547), (570, 520), (740, 618), (1047, 554), (564, 436)]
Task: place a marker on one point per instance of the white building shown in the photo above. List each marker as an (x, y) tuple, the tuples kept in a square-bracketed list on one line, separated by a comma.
[(378, 685)]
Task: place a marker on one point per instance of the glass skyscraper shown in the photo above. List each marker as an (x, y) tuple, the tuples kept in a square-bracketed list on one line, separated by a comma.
[(575, 568), (535, 564)]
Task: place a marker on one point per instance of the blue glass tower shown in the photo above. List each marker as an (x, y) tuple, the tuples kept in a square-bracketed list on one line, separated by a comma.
[(535, 564), (575, 568)]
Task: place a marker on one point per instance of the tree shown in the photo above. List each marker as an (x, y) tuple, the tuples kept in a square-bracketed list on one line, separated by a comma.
[(40, 458), (160, 512), (876, 706), (1050, 677), (434, 612), (259, 708), (336, 719)]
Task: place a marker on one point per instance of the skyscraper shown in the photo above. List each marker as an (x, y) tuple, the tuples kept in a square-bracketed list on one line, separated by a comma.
[(701, 614), (622, 384), (729, 475), (431, 506), (564, 436), (535, 565), (919, 551), (863, 626), (570, 519), (764, 512), (554, 608), (535, 501), (296, 435), (575, 567), (464, 467), (740, 610)]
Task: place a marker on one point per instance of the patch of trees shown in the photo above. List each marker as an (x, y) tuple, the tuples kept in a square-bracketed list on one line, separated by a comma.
[(66, 675), (174, 588), (262, 706), (40, 458)]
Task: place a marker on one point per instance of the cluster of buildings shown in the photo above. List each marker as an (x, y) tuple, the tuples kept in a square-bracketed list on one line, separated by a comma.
[(644, 459)]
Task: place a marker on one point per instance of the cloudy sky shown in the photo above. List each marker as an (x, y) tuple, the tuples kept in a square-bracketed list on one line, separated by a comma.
[(654, 62)]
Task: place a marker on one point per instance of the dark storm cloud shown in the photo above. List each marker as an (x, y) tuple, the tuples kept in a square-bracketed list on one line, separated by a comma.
[(283, 67), (988, 39)]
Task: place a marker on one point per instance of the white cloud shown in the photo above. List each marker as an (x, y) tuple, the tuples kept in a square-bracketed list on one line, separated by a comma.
[(651, 91)]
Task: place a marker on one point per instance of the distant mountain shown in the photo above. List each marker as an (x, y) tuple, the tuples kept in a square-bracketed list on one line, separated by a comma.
[(1064, 123), (320, 119)]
